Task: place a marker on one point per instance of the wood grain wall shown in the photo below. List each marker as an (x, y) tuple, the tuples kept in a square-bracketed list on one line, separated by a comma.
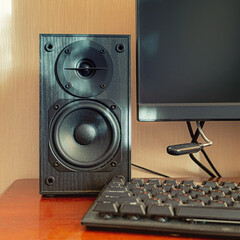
[(21, 21)]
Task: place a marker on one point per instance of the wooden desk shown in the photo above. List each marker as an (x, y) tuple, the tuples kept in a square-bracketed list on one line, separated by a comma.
[(25, 215)]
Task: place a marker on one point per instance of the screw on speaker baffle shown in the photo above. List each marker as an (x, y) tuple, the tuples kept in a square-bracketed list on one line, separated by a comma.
[(56, 107), (56, 164), (113, 163), (113, 107), (102, 51), (49, 47), (120, 48), (102, 85), (50, 180), (68, 85), (67, 51)]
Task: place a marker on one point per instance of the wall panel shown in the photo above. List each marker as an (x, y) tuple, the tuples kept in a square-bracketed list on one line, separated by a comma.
[(21, 21)]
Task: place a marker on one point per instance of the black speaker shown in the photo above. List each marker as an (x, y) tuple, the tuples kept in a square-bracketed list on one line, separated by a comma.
[(84, 112)]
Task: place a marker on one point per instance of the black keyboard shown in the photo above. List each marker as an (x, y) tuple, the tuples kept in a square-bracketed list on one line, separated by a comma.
[(209, 208)]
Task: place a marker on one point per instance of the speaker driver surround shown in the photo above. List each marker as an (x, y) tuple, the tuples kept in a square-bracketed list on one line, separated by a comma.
[(84, 134)]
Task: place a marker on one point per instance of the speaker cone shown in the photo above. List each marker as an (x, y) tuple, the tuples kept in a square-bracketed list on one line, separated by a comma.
[(84, 68), (84, 134)]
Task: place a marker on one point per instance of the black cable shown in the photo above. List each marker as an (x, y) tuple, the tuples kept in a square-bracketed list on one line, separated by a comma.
[(151, 171), (190, 129), (210, 163), (194, 140), (202, 150), (202, 166), (196, 135)]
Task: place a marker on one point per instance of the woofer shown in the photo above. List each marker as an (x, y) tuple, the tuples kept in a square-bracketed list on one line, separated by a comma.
[(85, 135)]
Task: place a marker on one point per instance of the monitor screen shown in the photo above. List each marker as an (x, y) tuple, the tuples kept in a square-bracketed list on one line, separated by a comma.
[(188, 60)]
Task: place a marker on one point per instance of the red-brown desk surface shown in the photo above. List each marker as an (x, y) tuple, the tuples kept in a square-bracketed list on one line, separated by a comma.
[(24, 214)]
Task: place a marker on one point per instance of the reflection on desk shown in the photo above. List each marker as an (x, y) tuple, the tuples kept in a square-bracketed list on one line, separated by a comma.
[(25, 215)]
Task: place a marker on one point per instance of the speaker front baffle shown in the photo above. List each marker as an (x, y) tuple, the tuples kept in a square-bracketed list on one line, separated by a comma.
[(84, 112)]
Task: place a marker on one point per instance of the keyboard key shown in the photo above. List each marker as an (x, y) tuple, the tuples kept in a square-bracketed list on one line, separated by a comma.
[(163, 196), (171, 182), (151, 201), (144, 195), (195, 202), (188, 182), (116, 187), (227, 199), (155, 181), (216, 193), (173, 201), (156, 191), (167, 186), (205, 198), (212, 184), (175, 191), (183, 197), (118, 179), (131, 185), (208, 212), (115, 184), (231, 185), (138, 190), (108, 198), (196, 192), (118, 199), (106, 207), (162, 210), (128, 199), (235, 194), (133, 208), (186, 188), (206, 189), (140, 181), (149, 186), (236, 204), (217, 203), (226, 190), (120, 193)]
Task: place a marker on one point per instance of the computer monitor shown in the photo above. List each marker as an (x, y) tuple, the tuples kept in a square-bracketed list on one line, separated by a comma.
[(188, 60)]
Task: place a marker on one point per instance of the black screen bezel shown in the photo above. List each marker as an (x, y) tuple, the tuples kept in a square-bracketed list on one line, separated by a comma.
[(180, 111)]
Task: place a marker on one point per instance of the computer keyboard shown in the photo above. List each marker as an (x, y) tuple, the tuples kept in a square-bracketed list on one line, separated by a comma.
[(153, 205)]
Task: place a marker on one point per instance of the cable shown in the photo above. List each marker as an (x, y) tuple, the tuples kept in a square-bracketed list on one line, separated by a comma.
[(209, 143), (202, 166), (210, 163), (194, 139), (190, 130), (151, 171), (203, 151), (196, 134)]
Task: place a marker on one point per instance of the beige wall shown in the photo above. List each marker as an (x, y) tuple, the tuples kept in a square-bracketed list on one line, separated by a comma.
[(21, 21)]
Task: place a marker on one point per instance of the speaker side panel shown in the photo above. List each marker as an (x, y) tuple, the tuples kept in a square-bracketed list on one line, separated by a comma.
[(54, 178)]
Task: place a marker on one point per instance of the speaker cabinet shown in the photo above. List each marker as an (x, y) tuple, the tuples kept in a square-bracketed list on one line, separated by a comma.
[(84, 112)]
